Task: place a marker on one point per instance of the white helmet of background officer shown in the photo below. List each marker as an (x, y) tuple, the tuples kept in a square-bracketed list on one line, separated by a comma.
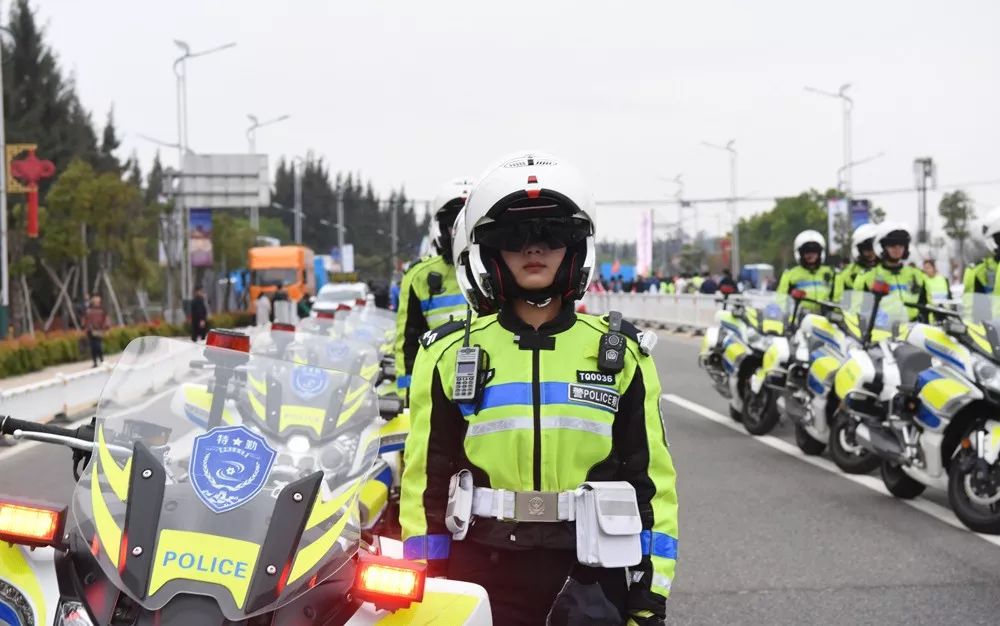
[(805, 238), (991, 230), (863, 234), (444, 208), (892, 232), (544, 196), (463, 273)]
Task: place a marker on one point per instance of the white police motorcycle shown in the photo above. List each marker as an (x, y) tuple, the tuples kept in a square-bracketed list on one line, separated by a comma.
[(223, 522)]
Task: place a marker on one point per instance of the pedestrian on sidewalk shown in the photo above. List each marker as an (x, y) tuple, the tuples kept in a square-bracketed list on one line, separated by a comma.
[(95, 324), (263, 309), (199, 315)]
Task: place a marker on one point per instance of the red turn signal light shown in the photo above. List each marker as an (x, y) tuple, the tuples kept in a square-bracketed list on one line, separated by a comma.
[(283, 327), (30, 524), (880, 287), (343, 307), (360, 301), (389, 584), (324, 315), (228, 339), (798, 294), (729, 289)]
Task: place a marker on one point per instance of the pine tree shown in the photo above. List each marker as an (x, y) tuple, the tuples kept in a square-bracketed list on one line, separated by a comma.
[(106, 159), (154, 183)]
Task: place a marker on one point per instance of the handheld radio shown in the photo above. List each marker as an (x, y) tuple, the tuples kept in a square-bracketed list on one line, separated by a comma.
[(468, 364)]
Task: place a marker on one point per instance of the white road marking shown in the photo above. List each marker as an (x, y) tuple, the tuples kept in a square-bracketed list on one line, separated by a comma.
[(935, 510)]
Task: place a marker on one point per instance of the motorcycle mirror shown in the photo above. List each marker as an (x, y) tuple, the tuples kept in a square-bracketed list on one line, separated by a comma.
[(798, 294), (880, 288)]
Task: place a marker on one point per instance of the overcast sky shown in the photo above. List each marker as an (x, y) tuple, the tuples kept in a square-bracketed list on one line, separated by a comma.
[(419, 92)]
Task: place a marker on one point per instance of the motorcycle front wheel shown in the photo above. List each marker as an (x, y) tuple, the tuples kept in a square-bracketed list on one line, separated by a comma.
[(974, 490), (898, 483), (845, 450), (806, 443), (760, 412)]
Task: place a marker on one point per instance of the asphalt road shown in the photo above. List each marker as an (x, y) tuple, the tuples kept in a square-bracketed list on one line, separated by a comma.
[(766, 536)]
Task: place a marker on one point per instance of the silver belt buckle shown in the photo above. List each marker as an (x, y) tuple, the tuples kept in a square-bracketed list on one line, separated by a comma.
[(536, 506)]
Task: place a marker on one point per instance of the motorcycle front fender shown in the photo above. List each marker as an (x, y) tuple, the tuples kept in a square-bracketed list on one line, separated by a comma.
[(32, 586)]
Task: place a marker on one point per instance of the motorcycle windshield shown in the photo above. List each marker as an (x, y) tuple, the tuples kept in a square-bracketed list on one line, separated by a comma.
[(768, 312), (376, 327), (311, 345), (891, 312), (188, 493), (980, 308)]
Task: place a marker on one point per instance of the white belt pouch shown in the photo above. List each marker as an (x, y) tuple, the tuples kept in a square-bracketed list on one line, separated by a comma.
[(608, 525)]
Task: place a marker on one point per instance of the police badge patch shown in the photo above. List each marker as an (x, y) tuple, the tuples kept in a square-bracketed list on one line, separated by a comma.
[(309, 381), (337, 350), (14, 607), (229, 466)]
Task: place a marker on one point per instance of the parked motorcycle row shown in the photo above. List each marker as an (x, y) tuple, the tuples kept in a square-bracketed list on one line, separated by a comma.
[(867, 380), (250, 480)]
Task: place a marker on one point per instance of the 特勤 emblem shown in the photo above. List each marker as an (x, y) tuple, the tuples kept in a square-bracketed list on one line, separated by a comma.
[(309, 381), (229, 466)]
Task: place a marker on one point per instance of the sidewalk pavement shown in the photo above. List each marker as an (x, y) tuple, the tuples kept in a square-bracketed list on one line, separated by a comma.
[(12, 382)]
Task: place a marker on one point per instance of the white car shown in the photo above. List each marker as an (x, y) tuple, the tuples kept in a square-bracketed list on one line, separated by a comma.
[(334, 296)]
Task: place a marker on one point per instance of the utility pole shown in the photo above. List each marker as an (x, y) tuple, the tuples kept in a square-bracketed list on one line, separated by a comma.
[(340, 223), (298, 164), (923, 170), (733, 210), (394, 232)]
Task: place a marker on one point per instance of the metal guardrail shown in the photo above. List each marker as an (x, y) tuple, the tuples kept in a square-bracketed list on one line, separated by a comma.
[(65, 394), (680, 310)]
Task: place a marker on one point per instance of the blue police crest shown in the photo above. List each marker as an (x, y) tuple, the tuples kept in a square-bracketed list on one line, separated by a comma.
[(309, 381), (229, 466), (337, 350), (364, 333)]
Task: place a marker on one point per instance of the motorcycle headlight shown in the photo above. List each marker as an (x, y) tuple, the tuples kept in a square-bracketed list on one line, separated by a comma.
[(987, 374), (72, 613)]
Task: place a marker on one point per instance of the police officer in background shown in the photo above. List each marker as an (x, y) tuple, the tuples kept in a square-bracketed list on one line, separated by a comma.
[(938, 289), (810, 275), (892, 245), (981, 277), (429, 294), (863, 241), (544, 405)]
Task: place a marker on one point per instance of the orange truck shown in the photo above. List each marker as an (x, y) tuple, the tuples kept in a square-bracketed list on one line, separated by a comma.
[(290, 266)]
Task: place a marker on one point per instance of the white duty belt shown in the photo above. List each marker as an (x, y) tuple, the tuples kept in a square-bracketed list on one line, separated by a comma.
[(524, 506)]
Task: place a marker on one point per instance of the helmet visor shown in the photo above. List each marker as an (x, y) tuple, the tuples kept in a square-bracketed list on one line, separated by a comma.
[(513, 236), (811, 246), (896, 238)]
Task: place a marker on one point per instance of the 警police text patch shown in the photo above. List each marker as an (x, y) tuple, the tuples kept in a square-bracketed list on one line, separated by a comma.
[(601, 397), (601, 378)]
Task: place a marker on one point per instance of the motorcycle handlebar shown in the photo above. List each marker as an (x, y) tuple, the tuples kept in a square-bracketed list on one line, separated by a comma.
[(9, 424)]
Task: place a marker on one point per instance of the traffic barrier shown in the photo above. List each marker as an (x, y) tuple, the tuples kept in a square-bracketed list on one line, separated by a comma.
[(657, 309)]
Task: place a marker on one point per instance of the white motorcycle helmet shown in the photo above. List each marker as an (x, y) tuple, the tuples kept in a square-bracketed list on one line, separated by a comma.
[(892, 232), (444, 208), (991, 230), (807, 237), (862, 234), (463, 273), (525, 197)]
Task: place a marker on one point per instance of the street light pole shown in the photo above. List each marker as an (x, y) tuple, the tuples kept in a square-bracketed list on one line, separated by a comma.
[(255, 123), (848, 107), (180, 206), (923, 169), (298, 163), (4, 267), (733, 210)]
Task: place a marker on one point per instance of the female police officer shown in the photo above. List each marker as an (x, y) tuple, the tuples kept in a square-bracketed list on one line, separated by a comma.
[(548, 402)]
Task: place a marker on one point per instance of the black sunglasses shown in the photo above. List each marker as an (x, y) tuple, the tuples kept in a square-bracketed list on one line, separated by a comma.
[(555, 232)]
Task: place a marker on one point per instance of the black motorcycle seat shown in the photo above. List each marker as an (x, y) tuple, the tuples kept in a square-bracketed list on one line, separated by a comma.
[(911, 360)]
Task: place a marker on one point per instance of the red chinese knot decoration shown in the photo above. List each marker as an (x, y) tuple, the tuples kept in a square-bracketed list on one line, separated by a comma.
[(29, 171)]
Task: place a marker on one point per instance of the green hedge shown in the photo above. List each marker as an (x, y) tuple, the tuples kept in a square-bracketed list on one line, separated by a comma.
[(26, 354)]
